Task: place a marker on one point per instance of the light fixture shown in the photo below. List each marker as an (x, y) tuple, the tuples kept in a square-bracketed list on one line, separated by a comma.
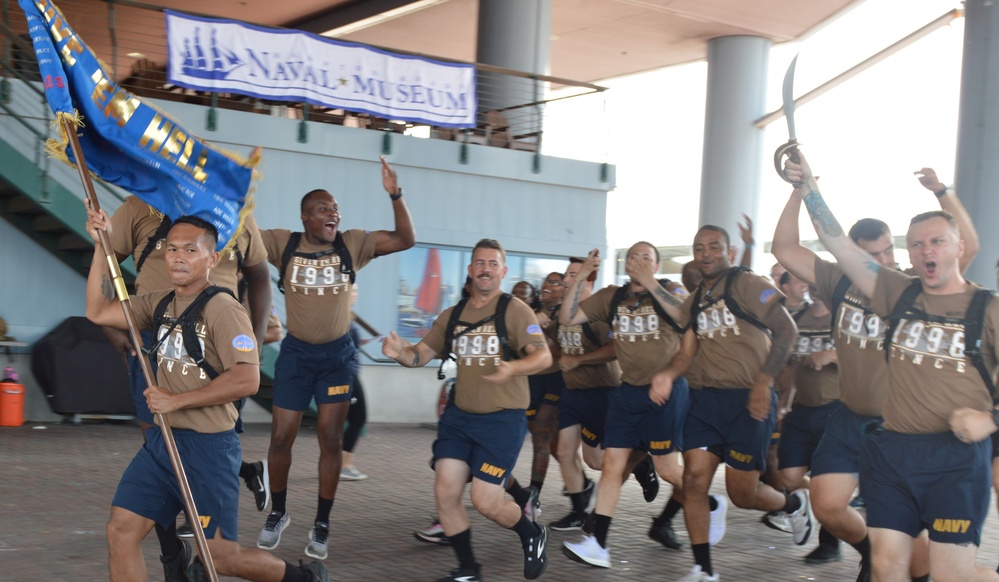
[(380, 18), (135, 55)]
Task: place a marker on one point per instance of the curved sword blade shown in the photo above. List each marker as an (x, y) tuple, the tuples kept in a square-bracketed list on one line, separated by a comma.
[(788, 96)]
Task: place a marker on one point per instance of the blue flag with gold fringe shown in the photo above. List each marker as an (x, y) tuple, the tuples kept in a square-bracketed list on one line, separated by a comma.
[(131, 143)]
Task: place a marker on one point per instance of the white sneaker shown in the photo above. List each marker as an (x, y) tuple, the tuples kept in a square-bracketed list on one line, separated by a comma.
[(697, 575), (801, 520), (717, 531), (777, 520), (587, 551), (351, 474)]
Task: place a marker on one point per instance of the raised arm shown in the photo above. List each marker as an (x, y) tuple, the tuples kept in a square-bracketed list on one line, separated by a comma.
[(103, 306), (644, 274), (571, 314), (949, 201), (858, 265), (404, 235), (787, 242), (406, 353), (746, 232)]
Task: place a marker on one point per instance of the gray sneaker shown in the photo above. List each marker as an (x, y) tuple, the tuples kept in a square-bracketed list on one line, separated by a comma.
[(270, 536), (317, 570), (801, 520), (318, 538)]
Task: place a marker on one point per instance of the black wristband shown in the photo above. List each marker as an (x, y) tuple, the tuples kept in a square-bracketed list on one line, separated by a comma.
[(397, 195), (940, 193)]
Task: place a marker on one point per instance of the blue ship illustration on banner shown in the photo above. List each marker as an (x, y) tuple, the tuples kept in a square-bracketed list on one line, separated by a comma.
[(223, 61)]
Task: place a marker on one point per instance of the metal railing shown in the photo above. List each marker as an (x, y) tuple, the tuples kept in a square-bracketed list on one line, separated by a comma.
[(131, 38)]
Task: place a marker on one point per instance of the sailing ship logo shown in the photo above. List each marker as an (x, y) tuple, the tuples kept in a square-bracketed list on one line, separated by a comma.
[(219, 63)]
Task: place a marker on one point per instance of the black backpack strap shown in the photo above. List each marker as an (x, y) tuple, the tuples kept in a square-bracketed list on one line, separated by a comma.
[(242, 285), (590, 334), (191, 343), (797, 315), (695, 308), (507, 350), (346, 262), (973, 320), (838, 295), (452, 322), (161, 309), (734, 307), (161, 231), (903, 306), (289, 250)]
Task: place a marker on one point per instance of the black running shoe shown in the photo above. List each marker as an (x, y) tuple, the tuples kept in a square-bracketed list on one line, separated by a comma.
[(823, 554), (570, 522), (259, 485), (645, 474), (535, 558), (665, 535), (463, 575), (196, 572), (175, 568), (315, 569)]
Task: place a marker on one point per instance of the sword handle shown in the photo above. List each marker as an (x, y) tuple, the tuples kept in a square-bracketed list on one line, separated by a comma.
[(789, 149)]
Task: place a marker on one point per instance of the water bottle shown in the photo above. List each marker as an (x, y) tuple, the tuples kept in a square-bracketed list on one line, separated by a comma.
[(10, 375)]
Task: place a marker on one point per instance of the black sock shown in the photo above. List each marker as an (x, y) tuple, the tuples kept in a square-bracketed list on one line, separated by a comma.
[(246, 471), (923, 578), (278, 499), (577, 502), (791, 503), (702, 557), (537, 485), (323, 510), (670, 511), (601, 525), (169, 544), (517, 492), (863, 548), (642, 469), (712, 503), (589, 524), (827, 539), (295, 574), (462, 544), (526, 529)]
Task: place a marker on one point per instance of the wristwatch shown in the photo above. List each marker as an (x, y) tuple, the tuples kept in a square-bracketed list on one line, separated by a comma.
[(397, 195)]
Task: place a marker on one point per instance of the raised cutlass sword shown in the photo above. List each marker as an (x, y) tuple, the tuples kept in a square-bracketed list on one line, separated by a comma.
[(790, 148)]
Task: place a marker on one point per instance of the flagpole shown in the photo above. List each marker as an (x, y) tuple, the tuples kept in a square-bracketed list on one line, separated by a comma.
[(119, 285)]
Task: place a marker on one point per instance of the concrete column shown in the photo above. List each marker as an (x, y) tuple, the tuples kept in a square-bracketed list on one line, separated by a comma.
[(977, 168), (513, 34), (733, 146)]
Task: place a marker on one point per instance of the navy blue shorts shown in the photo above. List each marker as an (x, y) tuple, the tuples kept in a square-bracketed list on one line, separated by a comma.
[(932, 481), (995, 444), (545, 389), (635, 422), (304, 371), (839, 449), (488, 443), (801, 432), (149, 488), (586, 407), (719, 422), (137, 382)]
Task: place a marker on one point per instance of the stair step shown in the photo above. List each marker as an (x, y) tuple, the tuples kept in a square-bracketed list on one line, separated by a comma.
[(23, 205), (72, 242), (47, 223)]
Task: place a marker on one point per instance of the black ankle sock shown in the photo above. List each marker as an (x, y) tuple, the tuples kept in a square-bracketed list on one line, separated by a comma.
[(169, 544), (589, 524), (601, 525), (827, 539), (791, 503), (863, 548), (577, 502), (295, 574), (702, 557), (246, 471), (324, 509), (526, 529), (923, 578), (672, 507), (278, 500), (712, 503), (518, 493), (462, 544), (537, 485)]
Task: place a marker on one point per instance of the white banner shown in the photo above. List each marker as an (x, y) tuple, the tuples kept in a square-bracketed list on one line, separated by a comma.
[(208, 54)]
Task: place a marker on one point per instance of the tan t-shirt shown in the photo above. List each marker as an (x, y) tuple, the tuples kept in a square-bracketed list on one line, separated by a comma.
[(859, 335), (551, 333), (135, 222), (929, 377), (731, 351), (317, 294), (813, 387), (574, 341), (644, 344), (478, 352), (226, 337)]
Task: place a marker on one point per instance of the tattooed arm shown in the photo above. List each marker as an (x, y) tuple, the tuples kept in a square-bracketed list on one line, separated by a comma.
[(644, 274), (855, 262), (784, 331), (406, 353), (103, 307), (571, 314)]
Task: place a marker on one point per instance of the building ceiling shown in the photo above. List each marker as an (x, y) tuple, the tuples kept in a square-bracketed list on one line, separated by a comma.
[(591, 40)]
